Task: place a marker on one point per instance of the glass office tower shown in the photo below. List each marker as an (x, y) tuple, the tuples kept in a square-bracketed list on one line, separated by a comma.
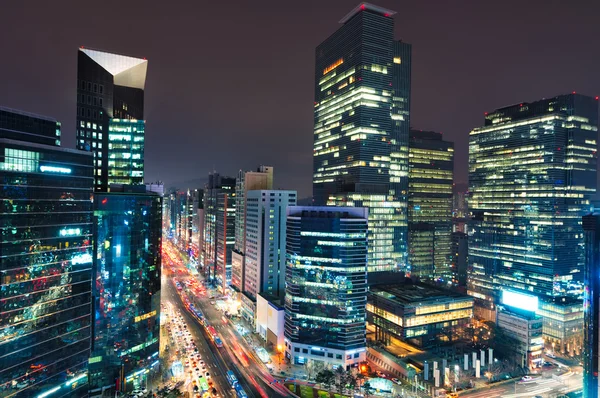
[(127, 287), (125, 151), (361, 124), (430, 179), (326, 285), (591, 306), (110, 88), (532, 170), (45, 260)]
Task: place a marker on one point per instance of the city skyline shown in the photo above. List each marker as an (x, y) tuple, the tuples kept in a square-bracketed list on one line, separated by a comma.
[(452, 47)]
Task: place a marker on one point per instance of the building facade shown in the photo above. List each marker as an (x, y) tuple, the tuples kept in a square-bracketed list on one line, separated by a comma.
[(591, 306), (532, 170), (125, 155), (563, 324), (262, 178), (45, 260), (418, 314), (361, 125), (219, 229), (430, 180), (126, 306), (264, 270), (326, 285), (110, 89), (526, 328), (460, 257)]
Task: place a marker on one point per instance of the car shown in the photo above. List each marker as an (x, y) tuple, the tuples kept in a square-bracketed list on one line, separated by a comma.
[(396, 380), (551, 355), (207, 375), (23, 384), (144, 391), (526, 378)]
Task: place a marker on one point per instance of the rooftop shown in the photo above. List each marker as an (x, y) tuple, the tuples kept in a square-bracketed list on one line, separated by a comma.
[(370, 7), (412, 294)]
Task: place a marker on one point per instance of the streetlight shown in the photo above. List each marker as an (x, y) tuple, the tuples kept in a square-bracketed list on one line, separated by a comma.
[(280, 352)]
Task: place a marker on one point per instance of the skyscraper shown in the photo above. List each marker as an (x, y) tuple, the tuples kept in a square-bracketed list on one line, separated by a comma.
[(430, 178), (591, 306), (262, 178), (326, 285), (110, 115), (265, 232), (219, 229), (361, 125), (532, 170), (45, 259), (127, 251)]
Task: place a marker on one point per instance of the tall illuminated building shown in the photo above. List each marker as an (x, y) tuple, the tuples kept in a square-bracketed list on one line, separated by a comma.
[(326, 285), (430, 179), (361, 125), (262, 178), (219, 229), (110, 115), (126, 288), (591, 307), (532, 170), (45, 260)]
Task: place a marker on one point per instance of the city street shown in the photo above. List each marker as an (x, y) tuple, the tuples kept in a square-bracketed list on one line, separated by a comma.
[(235, 355)]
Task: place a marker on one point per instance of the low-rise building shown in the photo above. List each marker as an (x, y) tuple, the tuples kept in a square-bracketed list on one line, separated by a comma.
[(563, 324), (419, 314), (525, 327)]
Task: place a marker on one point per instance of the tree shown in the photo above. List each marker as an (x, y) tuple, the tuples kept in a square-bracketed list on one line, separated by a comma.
[(341, 379), (352, 382), (367, 389), (360, 378), (313, 368), (326, 378)]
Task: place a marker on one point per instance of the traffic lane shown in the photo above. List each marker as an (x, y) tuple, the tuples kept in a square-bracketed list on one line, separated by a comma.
[(255, 371), (223, 364), (203, 346)]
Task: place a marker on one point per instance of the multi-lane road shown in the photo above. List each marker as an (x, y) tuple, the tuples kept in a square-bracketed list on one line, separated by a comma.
[(234, 355)]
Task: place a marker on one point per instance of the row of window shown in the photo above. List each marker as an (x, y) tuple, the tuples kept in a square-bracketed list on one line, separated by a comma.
[(95, 115), (89, 86), (91, 100)]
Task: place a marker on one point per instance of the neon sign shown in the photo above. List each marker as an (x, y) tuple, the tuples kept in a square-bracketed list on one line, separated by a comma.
[(70, 231), (79, 259)]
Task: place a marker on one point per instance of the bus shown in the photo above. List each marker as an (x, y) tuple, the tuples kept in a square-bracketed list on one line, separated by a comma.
[(215, 336), (239, 392), (203, 384), (231, 378)]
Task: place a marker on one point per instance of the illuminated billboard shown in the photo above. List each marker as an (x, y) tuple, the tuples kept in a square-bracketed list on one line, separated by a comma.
[(520, 300)]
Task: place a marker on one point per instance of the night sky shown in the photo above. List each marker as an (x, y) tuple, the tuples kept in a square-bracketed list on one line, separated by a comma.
[(230, 84)]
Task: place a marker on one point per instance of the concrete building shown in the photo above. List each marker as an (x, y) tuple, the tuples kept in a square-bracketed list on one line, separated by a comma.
[(517, 318), (419, 314), (270, 320), (262, 178), (265, 237), (219, 229)]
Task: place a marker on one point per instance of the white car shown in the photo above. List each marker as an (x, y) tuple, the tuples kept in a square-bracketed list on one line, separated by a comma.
[(526, 378)]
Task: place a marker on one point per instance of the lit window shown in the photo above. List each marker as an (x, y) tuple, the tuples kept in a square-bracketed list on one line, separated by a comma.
[(397, 60)]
